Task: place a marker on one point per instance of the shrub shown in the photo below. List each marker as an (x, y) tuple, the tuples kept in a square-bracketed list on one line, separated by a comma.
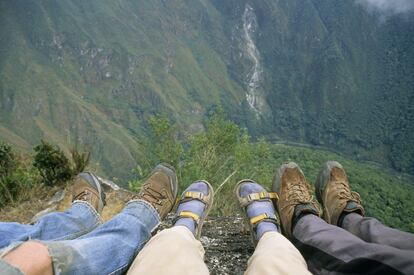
[(54, 167), (16, 177), (164, 141), (208, 155), (80, 160), (8, 162)]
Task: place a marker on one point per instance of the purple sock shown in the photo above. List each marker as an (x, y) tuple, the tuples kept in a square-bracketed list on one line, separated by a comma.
[(259, 207), (194, 206)]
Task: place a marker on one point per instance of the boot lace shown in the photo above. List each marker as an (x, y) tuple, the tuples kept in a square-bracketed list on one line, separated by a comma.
[(151, 195), (298, 193), (346, 194), (85, 195)]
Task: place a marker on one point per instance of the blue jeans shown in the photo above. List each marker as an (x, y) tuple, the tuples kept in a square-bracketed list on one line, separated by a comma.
[(78, 220), (107, 249)]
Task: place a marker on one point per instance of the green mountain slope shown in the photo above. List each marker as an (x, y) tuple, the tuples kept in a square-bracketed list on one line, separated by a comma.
[(335, 75), (321, 72)]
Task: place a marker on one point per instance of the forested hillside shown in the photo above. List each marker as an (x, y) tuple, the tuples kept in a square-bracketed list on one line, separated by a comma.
[(323, 72), (223, 155)]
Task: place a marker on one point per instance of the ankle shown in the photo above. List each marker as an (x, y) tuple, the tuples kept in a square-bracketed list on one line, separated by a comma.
[(264, 227), (345, 214), (301, 211), (187, 222)]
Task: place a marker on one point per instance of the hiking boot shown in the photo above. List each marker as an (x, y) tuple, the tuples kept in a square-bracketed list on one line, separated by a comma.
[(87, 188), (334, 193), (295, 196), (258, 206), (160, 189), (194, 206)]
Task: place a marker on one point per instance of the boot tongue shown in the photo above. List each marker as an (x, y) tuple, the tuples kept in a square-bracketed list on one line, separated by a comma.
[(305, 208), (351, 206)]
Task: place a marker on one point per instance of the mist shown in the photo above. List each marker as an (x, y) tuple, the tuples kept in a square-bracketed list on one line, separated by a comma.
[(388, 7)]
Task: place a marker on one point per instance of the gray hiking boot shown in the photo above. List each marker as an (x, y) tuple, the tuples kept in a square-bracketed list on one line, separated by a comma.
[(87, 187)]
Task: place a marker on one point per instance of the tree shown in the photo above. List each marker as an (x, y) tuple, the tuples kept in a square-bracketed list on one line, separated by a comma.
[(164, 140), (52, 164), (8, 162), (80, 160)]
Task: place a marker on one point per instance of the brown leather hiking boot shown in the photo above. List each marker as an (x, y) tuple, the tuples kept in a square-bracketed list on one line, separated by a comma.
[(160, 189), (295, 196), (87, 187), (334, 193)]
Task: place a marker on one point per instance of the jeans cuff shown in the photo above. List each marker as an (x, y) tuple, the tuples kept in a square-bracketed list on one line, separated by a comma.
[(9, 248), (91, 209), (8, 269), (147, 214)]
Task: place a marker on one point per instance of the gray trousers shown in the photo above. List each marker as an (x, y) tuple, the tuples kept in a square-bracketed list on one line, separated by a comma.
[(361, 246)]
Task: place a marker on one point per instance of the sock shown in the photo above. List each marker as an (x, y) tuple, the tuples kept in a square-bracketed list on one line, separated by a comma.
[(257, 208), (302, 210), (194, 206)]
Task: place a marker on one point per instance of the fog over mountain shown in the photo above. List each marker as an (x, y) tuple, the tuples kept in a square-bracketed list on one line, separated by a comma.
[(389, 6)]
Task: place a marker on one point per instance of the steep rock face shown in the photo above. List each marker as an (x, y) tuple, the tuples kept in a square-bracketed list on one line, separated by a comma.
[(328, 73), (333, 75)]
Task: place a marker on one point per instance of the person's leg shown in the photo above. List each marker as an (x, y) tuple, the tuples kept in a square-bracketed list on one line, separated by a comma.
[(107, 249), (372, 231), (331, 249), (31, 252), (172, 251), (273, 254), (110, 248), (82, 217), (177, 250), (343, 207), (328, 248)]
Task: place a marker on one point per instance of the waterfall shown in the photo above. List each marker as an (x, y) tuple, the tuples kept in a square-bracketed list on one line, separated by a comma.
[(254, 74)]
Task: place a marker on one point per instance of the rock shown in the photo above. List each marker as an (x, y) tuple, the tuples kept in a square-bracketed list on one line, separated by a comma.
[(57, 197), (107, 184), (228, 246)]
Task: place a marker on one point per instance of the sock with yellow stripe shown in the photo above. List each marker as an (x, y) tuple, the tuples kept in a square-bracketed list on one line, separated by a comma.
[(259, 207), (194, 206)]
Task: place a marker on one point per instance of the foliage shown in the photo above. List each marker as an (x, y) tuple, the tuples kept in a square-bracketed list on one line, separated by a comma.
[(223, 154), (17, 177), (21, 175), (164, 140), (8, 162), (52, 164), (80, 160), (122, 61)]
